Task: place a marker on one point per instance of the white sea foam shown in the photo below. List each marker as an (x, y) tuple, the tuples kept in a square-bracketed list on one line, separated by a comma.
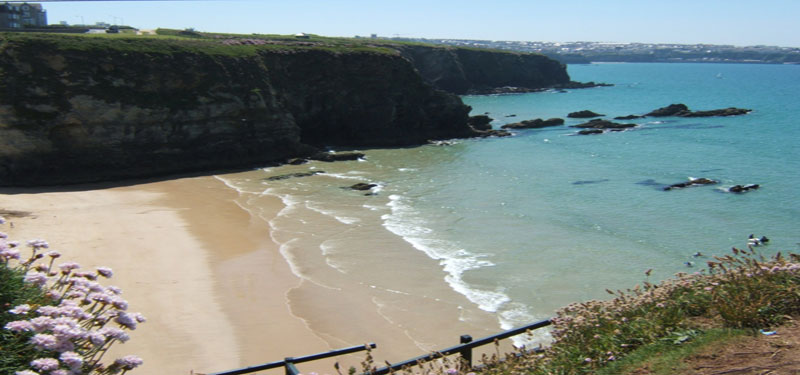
[(348, 220), (229, 183), (352, 175), (405, 222)]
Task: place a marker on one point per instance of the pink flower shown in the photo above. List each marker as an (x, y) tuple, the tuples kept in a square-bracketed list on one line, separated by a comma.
[(36, 278), (2, 220), (53, 254), (105, 272), (26, 372), (97, 338), (42, 323), (69, 266), (36, 244), (72, 359), (129, 362), (44, 342), (19, 326), (45, 364), (20, 310), (126, 320), (7, 254)]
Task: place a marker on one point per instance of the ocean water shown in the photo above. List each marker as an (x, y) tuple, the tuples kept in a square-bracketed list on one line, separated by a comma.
[(517, 227)]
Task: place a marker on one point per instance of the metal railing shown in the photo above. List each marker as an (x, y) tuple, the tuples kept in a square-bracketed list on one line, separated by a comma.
[(289, 363), (464, 349)]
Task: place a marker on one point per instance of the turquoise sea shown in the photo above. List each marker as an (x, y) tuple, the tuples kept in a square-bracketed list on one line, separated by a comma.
[(523, 225)]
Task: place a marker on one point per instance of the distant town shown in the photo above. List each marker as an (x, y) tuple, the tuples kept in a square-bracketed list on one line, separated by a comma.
[(32, 17), (587, 52)]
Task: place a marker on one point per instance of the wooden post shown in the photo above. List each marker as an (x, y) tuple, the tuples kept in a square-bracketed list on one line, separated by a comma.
[(466, 353)]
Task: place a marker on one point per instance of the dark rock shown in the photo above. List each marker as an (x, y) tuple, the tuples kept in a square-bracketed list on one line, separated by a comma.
[(534, 124), (494, 133), (293, 175), (580, 85), (628, 117), (603, 124), (718, 112), (670, 110), (363, 186), (692, 182), (331, 157), (297, 161), (590, 131), (511, 115), (480, 122), (742, 189), (584, 114)]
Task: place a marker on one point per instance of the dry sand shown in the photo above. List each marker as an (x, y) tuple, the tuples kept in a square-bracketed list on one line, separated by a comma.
[(170, 244)]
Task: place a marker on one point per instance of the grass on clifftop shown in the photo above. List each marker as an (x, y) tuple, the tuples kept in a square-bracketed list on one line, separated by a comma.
[(170, 43)]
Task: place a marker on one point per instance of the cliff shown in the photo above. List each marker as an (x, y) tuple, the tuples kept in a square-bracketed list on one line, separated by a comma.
[(476, 71), (90, 108)]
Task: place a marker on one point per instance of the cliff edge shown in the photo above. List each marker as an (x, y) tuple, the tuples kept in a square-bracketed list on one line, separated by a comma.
[(90, 108)]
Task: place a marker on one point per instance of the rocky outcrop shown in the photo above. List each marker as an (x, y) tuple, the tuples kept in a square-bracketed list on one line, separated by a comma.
[(83, 109), (603, 125), (743, 188), (584, 114), (681, 110), (480, 122), (534, 124), (476, 71)]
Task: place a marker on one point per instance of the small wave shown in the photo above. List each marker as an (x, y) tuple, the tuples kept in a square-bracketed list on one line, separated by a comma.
[(407, 169), (404, 221), (342, 219), (230, 184), (352, 175)]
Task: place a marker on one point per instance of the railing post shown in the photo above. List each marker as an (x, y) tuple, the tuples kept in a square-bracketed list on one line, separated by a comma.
[(291, 369), (466, 353)]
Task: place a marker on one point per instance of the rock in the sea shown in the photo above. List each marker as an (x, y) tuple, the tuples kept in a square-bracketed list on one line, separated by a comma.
[(604, 124), (590, 131), (494, 133), (292, 175), (331, 157), (743, 188), (296, 161), (480, 122), (363, 186), (692, 182), (670, 110), (580, 85), (718, 112), (584, 114), (534, 124), (681, 110), (628, 117)]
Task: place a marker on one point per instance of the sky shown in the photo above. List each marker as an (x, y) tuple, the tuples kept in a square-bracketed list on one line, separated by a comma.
[(732, 22)]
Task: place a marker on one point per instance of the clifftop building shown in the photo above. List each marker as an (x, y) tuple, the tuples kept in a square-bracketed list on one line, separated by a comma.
[(17, 16)]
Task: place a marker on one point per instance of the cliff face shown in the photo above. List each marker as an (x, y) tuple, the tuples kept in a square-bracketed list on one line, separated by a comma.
[(78, 109), (75, 115), (471, 71)]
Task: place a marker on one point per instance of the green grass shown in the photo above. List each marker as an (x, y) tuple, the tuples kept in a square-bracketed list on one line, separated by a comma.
[(17, 354), (666, 357)]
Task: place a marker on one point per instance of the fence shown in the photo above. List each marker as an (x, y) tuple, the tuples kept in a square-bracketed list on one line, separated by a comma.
[(464, 349)]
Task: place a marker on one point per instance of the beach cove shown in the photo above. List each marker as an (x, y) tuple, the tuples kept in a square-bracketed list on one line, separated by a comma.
[(237, 269), (210, 279)]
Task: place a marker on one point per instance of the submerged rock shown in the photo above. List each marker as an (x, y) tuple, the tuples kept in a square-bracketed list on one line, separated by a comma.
[(331, 157), (628, 117), (604, 124), (590, 131), (363, 186), (293, 175), (534, 124), (732, 111), (692, 182), (743, 188)]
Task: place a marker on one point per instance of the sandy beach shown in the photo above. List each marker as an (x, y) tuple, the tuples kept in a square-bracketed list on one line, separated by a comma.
[(166, 242), (218, 294)]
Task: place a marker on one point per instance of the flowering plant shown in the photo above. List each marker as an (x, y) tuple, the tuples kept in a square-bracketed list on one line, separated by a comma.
[(59, 316)]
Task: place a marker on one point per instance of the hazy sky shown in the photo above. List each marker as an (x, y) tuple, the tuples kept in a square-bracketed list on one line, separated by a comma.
[(737, 22)]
